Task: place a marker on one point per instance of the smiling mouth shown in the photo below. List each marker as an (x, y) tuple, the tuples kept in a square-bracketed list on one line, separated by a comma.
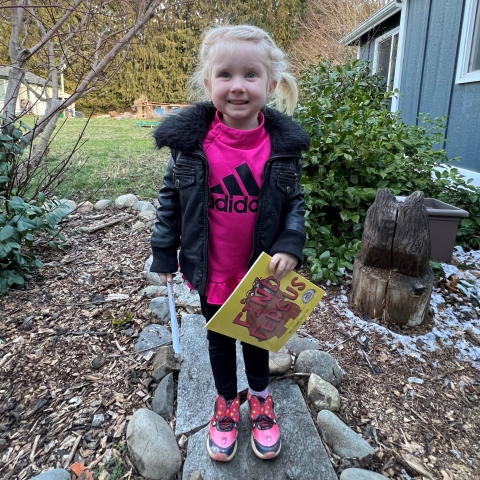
[(238, 102)]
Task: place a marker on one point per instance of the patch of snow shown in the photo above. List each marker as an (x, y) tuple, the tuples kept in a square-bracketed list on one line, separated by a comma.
[(452, 314)]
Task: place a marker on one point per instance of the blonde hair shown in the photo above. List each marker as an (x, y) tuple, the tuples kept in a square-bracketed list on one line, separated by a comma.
[(219, 41)]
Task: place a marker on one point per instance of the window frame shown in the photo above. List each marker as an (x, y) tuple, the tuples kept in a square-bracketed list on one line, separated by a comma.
[(466, 42), (390, 33)]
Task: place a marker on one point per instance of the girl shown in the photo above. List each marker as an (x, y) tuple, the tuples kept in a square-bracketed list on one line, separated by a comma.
[(231, 191)]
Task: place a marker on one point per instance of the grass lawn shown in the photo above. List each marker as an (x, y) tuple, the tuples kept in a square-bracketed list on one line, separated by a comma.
[(118, 158)]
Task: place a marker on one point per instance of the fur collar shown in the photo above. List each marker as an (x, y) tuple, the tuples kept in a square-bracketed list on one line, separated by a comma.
[(186, 130)]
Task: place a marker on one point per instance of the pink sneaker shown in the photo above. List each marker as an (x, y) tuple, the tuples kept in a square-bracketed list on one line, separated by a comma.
[(265, 439), (222, 437)]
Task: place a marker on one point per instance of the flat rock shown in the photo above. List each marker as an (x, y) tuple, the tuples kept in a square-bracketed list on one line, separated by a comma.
[(341, 438), (302, 451), (152, 337), (124, 201), (55, 474), (154, 291), (323, 395), (196, 388), (359, 474), (152, 446), (102, 204), (279, 362), (142, 206), (321, 364), (297, 344), (162, 403), (160, 308)]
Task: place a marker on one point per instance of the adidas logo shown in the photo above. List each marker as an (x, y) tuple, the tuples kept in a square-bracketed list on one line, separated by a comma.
[(226, 202)]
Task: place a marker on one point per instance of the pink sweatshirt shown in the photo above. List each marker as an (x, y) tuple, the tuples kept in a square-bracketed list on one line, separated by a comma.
[(236, 159)]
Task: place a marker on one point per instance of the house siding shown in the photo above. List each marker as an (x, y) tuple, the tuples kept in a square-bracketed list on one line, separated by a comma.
[(433, 34)]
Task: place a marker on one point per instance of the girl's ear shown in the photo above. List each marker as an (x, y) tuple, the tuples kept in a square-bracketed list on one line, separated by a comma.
[(207, 86), (272, 88)]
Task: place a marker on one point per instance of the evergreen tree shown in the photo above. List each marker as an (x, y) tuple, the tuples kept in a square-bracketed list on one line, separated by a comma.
[(164, 55)]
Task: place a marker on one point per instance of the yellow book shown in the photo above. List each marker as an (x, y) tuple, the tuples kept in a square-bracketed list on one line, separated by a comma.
[(264, 312)]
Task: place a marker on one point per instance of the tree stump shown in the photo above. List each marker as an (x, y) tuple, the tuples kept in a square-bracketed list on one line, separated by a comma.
[(392, 278)]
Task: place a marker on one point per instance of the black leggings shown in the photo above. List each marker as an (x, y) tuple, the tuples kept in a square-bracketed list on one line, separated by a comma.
[(223, 359)]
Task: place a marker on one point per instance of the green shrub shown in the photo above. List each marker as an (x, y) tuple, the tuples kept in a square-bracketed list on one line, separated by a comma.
[(21, 221), (358, 146)]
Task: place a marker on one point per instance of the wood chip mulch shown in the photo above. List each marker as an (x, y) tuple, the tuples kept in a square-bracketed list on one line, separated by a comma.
[(67, 358)]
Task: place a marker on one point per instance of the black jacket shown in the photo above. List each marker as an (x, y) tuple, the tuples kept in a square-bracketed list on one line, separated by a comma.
[(182, 218)]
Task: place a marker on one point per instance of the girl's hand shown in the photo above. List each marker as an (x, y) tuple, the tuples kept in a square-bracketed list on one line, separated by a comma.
[(166, 277), (281, 264)]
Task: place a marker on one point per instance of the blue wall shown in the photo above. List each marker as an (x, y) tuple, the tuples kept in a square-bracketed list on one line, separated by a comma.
[(428, 77)]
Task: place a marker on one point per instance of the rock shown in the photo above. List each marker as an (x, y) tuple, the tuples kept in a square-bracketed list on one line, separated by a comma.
[(321, 364), (102, 204), (164, 362), (341, 438), (156, 203), (183, 294), (70, 204), (151, 338), (124, 201), (98, 362), (138, 227), (147, 215), (359, 474), (303, 456), (143, 206), (322, 394), (298, 344), (279, 363), (154, 291), (98, 420), (195, 476), (160, 308), (55, 474), (162, 403), (152, 446), (85, 207), (196, 388)]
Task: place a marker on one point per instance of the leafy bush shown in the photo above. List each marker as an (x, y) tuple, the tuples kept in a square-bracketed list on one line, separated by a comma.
[(21, 220), (358, 146)]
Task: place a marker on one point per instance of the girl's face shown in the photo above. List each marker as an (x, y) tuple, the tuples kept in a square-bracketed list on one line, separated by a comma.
[(239, 88)]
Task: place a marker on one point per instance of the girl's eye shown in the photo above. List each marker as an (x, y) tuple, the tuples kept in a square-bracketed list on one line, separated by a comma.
[(225, 75), (250, 75)]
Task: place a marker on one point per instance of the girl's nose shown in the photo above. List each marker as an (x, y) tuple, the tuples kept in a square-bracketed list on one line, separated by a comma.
[(237, 85)]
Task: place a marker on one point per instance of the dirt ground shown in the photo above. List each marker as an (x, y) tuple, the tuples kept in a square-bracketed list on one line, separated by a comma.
[(66, 356)]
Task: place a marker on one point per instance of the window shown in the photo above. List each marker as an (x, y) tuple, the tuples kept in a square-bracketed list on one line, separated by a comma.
[(385, 56), (468, 68)]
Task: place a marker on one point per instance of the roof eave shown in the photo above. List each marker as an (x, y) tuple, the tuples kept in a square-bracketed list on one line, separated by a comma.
[(383, 14)]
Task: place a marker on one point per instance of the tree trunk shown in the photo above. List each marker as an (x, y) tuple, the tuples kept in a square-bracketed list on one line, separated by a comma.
[(392, 278), (13, 87), (390, 296)]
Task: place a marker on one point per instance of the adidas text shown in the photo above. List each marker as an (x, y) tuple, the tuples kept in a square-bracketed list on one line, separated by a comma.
[(228, 204)]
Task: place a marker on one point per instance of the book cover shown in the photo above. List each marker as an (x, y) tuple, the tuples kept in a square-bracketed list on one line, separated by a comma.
[(264, 312)]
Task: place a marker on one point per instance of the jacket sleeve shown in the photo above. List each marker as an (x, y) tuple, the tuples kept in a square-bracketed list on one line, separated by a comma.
[(291, 238), (166, 232)]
